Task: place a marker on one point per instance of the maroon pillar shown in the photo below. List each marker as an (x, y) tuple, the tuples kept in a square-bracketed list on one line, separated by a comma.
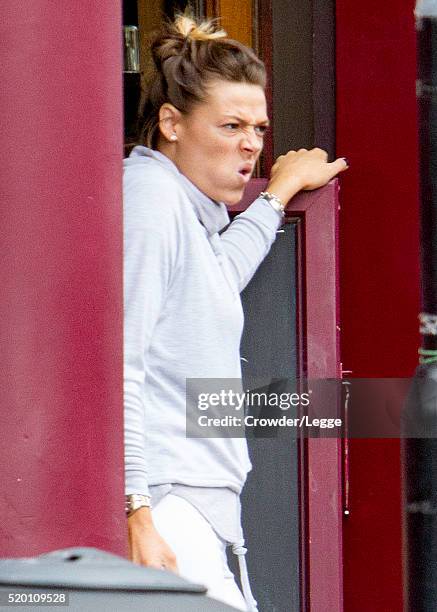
[(379, 262), (61, 454)]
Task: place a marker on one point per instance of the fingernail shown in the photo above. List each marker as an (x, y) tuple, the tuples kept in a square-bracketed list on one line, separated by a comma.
[(346, 161)]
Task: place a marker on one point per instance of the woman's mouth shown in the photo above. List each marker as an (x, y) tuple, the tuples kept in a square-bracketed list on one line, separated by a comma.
[(246, 172)]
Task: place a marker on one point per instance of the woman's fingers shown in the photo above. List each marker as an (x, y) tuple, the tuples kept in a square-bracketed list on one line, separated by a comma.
[(163, 559), (171, 564), (339, 165), (277, 162), (322, 172), (146, 546), (303, 169), (323, 154)]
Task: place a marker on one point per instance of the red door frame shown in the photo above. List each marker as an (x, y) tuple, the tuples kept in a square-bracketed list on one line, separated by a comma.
[(377, 131), (320, 506)]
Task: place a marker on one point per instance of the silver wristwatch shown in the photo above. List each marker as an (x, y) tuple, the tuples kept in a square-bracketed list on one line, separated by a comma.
[(135, 501), (274, 202)]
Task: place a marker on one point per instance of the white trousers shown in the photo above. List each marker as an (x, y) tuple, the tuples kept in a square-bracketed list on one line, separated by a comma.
[(200, 552)]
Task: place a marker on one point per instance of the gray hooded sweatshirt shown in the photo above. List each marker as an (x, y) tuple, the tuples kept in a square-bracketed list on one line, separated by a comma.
[(183, 319)]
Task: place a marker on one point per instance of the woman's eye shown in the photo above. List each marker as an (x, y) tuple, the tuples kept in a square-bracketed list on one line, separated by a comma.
[(261, 129)]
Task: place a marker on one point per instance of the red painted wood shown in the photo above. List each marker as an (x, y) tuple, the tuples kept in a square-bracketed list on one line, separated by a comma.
[(61, 457), (325, 574), (376, 130), (322, 513)]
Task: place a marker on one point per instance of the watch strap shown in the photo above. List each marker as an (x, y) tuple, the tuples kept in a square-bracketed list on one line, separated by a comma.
[(274, 202), (135, 501)]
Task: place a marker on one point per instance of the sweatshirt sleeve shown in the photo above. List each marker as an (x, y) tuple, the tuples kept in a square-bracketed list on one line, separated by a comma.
[(150, 255), (248, 239)]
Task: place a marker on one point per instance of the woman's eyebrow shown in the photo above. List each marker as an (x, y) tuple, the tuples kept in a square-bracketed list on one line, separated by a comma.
[(241, 120)]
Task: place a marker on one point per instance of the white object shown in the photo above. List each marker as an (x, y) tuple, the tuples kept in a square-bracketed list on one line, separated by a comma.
[(200, 553), (426, 8)]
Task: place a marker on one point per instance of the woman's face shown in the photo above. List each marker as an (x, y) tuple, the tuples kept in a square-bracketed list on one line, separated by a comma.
[(220, 140)]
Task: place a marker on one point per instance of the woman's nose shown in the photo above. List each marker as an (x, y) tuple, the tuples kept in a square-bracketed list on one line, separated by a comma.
[(251, 141)]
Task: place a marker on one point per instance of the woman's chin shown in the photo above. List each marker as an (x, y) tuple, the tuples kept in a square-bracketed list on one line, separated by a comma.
[(234, 198)]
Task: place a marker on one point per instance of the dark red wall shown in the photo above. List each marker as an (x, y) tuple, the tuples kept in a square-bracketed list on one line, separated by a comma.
[(61, 405), (376, 130)]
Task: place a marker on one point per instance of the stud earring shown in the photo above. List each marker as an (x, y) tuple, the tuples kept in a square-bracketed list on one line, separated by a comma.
[(173, 137)]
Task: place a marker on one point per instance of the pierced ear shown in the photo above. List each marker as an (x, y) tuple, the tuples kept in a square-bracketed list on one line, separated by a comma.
[(169, 117)]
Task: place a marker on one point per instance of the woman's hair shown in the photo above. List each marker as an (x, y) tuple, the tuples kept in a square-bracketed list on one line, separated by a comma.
[(187, 55)]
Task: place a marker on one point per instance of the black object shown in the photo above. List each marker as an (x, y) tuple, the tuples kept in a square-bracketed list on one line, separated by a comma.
[(419, 449), (131, 96), (98, 581), (131, 83), (270, 351)]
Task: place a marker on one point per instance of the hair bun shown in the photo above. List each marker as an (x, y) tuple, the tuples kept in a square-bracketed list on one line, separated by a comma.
[(206, 30), (174, 37)]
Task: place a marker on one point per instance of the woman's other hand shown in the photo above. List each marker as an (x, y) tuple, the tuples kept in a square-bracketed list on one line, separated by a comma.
[(146, 546), (302, 170)]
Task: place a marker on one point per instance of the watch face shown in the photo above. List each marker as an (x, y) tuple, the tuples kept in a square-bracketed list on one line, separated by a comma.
[(136, 501), (273, 200), (139, 504)]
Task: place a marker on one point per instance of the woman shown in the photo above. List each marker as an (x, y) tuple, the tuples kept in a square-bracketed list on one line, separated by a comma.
[(204, 122)]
